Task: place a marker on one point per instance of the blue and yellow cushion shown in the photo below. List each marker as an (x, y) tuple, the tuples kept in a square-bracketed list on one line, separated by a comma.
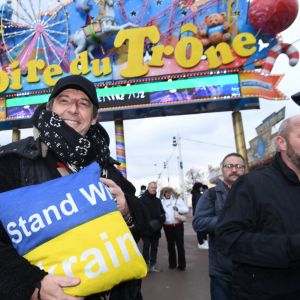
[(70, 226)]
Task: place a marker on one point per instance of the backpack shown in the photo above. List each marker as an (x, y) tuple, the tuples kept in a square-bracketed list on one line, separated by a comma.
[(212, 194)]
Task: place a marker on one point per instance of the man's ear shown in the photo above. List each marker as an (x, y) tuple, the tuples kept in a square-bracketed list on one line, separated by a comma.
[(94, 120), (280, 142)]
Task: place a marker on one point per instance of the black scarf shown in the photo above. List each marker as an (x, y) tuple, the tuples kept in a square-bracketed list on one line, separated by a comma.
[(151, 196), (68, 145)]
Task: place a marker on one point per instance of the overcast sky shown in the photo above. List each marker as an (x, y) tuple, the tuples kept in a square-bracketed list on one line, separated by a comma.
[(205, 138)]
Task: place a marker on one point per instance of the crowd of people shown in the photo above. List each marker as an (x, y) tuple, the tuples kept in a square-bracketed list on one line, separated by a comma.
[(253, 225), (250, 219)]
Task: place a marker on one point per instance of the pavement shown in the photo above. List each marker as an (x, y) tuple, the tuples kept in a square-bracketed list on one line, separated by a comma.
[(193, 283)]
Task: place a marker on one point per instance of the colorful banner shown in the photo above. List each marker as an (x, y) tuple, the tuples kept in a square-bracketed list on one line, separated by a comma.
[(254, 84)]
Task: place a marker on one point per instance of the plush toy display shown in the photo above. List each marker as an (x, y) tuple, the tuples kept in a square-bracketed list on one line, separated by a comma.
[(215, 29)]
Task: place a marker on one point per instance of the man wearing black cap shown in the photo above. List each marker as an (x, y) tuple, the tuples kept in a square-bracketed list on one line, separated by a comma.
[(67, 139)]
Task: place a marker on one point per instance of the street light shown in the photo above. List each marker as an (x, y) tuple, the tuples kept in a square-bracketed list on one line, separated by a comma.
[(174, 141), (177, 143)]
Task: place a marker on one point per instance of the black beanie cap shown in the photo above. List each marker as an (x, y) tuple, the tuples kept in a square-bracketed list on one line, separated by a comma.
[(77, 82)]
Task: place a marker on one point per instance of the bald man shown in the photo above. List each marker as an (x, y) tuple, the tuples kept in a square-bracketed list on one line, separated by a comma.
[(259, 228)]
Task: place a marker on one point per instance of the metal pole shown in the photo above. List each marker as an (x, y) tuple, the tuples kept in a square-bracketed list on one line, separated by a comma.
[(168, 174), (120, 146), (16, 134), (239, 135), (180, 170)]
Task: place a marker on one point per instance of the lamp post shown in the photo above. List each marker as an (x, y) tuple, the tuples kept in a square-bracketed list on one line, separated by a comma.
[(166, 167), (177, 143), (239, 135), (158, 181)]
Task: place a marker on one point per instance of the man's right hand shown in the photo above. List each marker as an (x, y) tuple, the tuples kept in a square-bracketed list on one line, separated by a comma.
[(52, 288)]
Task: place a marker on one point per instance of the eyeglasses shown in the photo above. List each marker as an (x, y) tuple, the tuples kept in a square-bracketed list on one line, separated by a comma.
[(231, 166)]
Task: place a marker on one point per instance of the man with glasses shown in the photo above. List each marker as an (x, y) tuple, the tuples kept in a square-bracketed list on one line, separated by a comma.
[(208, 210), (259, 228)]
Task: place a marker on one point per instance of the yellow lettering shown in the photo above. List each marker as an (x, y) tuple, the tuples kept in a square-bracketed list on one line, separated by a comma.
[(50, 72), (157, 54), (189, 27), (188, 52), (106, 66), (4, 81), (32, 67), (15, 75), (244, 44), (80, 65), (136, 40), (221, 54)]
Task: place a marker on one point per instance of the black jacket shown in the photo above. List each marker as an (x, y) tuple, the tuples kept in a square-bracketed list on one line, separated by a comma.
[(260, 230), (154, 210), (21, 164), (195, 198), (206, 217)]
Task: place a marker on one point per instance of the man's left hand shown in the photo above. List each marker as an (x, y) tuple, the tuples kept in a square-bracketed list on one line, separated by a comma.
[(118, 194)]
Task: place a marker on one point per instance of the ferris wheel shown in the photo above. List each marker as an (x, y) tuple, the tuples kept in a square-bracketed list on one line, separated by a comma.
[(33, 29)]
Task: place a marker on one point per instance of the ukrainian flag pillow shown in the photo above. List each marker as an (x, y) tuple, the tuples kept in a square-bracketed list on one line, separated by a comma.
[(70, 226)]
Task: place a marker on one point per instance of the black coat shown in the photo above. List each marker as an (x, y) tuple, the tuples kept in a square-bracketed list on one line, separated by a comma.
[(207, 213), (21, 164), (195, 198), (154, 210), (259, 229)]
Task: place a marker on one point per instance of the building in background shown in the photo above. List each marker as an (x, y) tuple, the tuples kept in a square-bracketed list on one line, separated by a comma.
[(262, 147)]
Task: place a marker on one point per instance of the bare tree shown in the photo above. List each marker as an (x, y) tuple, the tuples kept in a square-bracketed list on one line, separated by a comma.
[(193, 175)]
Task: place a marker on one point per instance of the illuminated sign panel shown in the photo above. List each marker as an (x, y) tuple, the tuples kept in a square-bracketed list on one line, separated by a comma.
[(206, 88), (170, 92)]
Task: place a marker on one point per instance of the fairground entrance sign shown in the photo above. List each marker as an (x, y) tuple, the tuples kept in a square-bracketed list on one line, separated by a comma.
[(147, 58)]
